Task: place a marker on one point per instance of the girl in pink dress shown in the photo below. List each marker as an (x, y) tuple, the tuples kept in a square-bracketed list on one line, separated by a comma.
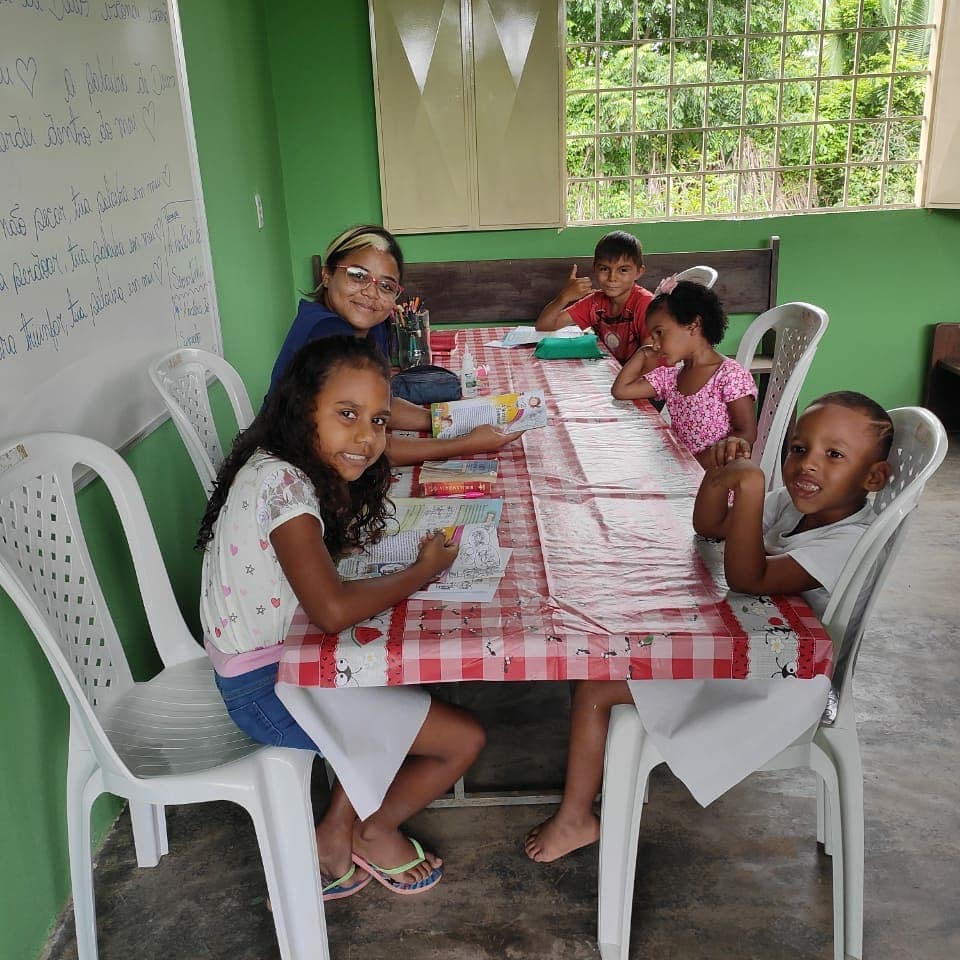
[(709, 396)]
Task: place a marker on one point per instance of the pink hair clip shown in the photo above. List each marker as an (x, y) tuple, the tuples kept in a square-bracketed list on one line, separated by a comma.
[(666, 285)]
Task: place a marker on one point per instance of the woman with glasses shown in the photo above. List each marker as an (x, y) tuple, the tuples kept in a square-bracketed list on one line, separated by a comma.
[(359, 286)]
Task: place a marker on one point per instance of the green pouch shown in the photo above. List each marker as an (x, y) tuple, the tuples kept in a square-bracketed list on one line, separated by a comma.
[(568, 348)]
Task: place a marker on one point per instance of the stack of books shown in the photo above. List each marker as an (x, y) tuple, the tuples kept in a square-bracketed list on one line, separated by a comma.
[(444, 345), (457, 478)]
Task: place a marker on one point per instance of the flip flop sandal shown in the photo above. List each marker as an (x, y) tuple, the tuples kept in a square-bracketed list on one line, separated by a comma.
[(341, 888), (384, 875), (337, 889)]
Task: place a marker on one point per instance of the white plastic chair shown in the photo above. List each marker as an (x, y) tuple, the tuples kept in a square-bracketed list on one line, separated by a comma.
[(704, 275), (168, 740), (181, 378), (830, 748), (798, 328)]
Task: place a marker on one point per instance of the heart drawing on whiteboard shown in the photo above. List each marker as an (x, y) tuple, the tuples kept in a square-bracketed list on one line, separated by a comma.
[(150, 119), (27, 72)]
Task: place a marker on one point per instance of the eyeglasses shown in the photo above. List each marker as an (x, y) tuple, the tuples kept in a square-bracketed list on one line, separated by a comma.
[(386, 288)]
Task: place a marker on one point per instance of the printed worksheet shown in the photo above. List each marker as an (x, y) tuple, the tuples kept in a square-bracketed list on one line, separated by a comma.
[(472, 524)]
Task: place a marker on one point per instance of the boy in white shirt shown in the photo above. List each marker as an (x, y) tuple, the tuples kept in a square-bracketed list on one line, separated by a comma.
[(798, 538)]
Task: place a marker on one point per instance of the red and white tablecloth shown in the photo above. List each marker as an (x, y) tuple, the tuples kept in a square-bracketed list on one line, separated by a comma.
[(607, 579)]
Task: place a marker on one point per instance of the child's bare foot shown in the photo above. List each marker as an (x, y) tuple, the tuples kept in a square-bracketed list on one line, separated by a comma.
[(557, 836), (333, 852), (387, 849)]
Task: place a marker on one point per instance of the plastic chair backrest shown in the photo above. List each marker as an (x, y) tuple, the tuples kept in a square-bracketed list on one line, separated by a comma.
[(919, 447), (46, 569), (181, 379), (798, 328), (704, 275)]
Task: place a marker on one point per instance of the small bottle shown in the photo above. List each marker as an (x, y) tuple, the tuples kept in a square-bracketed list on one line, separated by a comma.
[(468, 376)]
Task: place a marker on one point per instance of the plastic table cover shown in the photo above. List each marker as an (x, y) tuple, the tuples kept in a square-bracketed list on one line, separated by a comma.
[(607, 578)]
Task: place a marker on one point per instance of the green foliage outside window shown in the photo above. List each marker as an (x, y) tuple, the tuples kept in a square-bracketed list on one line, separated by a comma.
[(680, 116)]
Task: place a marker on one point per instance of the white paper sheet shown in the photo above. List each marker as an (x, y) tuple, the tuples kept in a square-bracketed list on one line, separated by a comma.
[(480, 590), (713, 733)]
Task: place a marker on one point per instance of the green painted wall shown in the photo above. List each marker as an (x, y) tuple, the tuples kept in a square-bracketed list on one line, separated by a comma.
[(855, 265), (323, 91), (229, 75)]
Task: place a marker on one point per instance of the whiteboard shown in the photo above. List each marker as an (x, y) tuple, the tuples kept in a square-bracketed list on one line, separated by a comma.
[(104, 254)]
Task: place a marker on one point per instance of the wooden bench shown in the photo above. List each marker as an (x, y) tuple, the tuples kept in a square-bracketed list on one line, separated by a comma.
[(942, 395), (495, 292), (498, 292)]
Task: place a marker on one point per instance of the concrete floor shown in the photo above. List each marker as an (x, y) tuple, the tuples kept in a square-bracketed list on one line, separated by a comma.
[(741, 879)]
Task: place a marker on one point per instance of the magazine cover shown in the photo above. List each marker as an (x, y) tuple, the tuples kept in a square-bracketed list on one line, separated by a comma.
[(515, 411)]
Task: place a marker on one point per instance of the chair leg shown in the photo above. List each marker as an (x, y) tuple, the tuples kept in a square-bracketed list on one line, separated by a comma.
[(82, 790), (824, 833), (629, 759), (283, 820), (149, 832), (846, 750), (828, 788)]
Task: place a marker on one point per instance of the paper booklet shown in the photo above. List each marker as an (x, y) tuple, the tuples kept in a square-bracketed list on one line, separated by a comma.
[(515, 411), (524, 336), (521, 336), (472, 589), (456, 488), (437, 470), (473, 524)]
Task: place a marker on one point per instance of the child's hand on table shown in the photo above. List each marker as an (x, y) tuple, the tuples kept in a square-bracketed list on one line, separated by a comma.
[(725, 451), (488, 439)]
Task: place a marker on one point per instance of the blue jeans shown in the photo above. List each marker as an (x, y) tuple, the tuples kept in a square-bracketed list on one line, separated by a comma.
[(255, 708)]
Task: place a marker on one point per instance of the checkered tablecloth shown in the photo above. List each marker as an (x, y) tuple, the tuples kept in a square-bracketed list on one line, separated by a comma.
[(607, 579)]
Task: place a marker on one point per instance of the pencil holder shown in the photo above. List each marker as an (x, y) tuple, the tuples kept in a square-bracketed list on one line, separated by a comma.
[(414, 337)]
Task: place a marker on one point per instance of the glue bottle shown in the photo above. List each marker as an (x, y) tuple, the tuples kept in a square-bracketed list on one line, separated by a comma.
[(468, 376)]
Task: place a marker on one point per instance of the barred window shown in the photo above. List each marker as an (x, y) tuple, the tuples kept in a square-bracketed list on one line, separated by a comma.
[(719, 108)]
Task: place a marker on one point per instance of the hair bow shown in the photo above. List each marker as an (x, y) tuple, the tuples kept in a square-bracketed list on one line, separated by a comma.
[(667, 285)]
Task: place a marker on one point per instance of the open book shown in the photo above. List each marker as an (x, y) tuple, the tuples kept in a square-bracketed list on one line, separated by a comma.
[(514, 411), (472, 524)]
